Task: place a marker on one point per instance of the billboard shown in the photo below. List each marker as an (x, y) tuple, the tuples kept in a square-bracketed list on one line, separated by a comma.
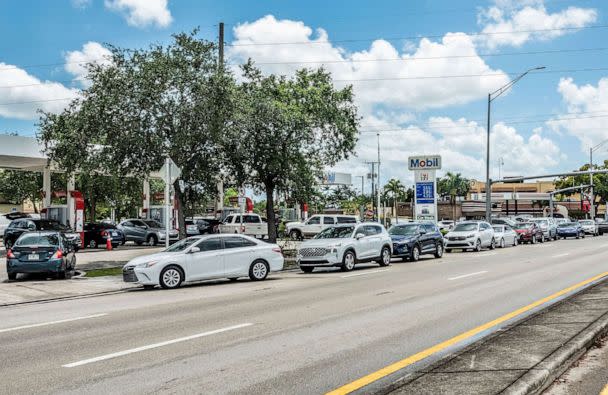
[(333, 178)]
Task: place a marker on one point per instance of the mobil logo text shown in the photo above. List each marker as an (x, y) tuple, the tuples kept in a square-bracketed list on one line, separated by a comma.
[(424, 162)]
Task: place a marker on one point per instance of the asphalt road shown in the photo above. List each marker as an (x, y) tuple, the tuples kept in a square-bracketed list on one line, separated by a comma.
[(295, 333)]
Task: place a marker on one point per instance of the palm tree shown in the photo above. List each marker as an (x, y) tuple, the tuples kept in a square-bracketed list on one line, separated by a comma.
[(395, 190), (453, 185)]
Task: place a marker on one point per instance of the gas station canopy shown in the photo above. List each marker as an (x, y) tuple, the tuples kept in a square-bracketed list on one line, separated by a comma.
[(21, 153)]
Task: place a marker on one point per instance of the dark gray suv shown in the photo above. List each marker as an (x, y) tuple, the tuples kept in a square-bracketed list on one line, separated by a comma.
[(146, 231)]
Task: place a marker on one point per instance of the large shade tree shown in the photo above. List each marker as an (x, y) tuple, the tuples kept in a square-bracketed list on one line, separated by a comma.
[(144, 105), (289, 130)]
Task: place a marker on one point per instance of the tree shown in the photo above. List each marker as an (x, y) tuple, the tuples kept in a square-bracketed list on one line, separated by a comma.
[(289, 130), (17, 186), (600, 184), (453, 185), (396, 191), (145, 105)]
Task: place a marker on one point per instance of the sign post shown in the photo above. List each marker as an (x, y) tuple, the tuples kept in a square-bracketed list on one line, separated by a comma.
[(172, 173), (425, 198)]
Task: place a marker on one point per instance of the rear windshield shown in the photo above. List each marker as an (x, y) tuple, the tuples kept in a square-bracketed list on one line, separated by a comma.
[(525, 225), (567, 225), (153, 224), (465, 227), (29, 239), (586, 222), (45, 224)]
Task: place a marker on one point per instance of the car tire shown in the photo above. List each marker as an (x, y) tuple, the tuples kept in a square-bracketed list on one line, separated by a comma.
[(542, 238), (348, 261), (12, 276), (502, 243), (171, 277), (492, 244), (385, 256), (258, 270), (152, 240), (295, 234), (307, 269), (415, 254), (583, 235), (477, 246), (533, 239), (515, 242), (438, 250), (92, 244)]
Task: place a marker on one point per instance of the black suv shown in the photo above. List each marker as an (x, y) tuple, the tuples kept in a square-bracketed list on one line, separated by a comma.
[(410, 240), (20, 226)]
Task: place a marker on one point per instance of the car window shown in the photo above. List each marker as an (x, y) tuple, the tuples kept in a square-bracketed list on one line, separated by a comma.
[(127, 223), (498, 229), (251, 219), (370, 230), (36, 239), (233, 242), (18, 224), (138, 223), (228, 219), (337, 232), (328, 221), (429, 228), (314, 220), (211, 244), (404, 230), (346, 220)]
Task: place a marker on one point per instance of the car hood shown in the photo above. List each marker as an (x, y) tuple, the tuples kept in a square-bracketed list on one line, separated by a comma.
[(402, 238), (452, 233), (152, 257), (321, 243)]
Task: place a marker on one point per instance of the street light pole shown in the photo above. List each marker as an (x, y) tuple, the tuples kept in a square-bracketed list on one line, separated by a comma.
[(378, 188), (591, 192), (491, 97)]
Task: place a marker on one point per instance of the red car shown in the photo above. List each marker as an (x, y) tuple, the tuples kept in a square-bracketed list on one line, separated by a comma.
[(529, 232)]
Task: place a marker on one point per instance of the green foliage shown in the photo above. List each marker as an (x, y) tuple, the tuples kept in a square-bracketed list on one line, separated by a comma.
[(17, 186), (600, 183), (453, 185)]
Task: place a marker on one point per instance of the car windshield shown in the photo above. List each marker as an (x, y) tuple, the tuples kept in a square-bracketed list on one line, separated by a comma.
[(153, 224), (105, 225), (403, 230), (498, 229), (588, 222), (541, 221), (50, 225), (465, 227), (525, 225), (182, 244), (29, 239), (567, 225), (340, 232)]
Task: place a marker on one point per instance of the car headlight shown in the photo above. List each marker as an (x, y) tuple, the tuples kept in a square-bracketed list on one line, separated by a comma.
[(147, 264), (471, 236)]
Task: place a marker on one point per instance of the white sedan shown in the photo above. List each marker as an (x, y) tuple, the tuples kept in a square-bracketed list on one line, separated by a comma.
[(504, 236), (203, 258)]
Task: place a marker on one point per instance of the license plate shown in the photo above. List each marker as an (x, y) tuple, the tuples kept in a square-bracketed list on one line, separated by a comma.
[(114, 234), (33, 257)]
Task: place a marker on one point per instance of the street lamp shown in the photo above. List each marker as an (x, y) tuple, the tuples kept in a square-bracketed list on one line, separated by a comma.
[(491, 97), (591, 197)]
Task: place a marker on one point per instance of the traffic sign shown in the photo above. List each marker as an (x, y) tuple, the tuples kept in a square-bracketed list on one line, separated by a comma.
[(174, 171)]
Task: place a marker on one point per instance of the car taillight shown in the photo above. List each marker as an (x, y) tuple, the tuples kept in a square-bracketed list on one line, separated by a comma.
[(104, 233), (278, 250), (57, 255), (9, 254)]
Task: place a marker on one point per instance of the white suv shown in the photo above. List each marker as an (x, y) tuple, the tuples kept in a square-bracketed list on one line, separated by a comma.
[(470, 235), (345, 246), (315, 224)]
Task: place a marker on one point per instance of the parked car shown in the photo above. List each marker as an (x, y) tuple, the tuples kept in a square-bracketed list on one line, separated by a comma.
[(589, 227), (146, 231), (315, 224), (23, 225), (411, 240), (203, 258), (43, 252), (503, 221), (570, 229), (602, 226), (529, 232), (446, 225), (504, 235), (345, 246), (198, 226), (548, 227), (470, 235), (97, 234), (246, 224)]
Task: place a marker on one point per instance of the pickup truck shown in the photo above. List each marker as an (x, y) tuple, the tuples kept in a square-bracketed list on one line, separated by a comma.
[(246, 224), (316, 223)]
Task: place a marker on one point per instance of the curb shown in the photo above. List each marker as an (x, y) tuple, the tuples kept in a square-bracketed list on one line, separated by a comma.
[(539, 378)]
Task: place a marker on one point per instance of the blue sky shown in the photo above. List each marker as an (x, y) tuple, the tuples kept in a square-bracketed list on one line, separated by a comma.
[(361, 40)]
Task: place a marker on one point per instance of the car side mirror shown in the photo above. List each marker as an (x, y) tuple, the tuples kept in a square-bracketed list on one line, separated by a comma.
[(31, 227), (359, 236), (422, 231), (194, 250)]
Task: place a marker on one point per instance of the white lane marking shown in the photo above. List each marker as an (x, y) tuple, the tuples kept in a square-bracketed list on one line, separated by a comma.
[(560, 255), (467, 275), (155, 345), (52, 322), (364, 273), (488, 254)]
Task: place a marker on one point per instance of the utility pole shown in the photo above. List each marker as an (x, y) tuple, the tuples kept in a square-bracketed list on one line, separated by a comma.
[(219, 203), (373, 189), (221, 45), (378, 188), (591, 198)]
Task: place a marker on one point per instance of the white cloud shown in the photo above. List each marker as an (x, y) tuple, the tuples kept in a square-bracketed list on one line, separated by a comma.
[(380, 61), (29, 93), (525, 15), (587, 117), (141, 13), (91, 52), (82, 4)]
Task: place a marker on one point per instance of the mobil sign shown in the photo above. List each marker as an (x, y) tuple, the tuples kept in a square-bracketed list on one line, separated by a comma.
[(425, 162)]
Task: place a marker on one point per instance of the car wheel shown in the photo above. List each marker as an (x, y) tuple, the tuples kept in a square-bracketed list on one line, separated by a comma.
[(492, 244), (348, 261), (61, 275), (439, 250), (542, 238), (12, 276), (307, 269), (92, 244), (415, 254), (385, 257), (533, 239), (152, 240), (171, 277), (514, 241), (477, 245), (583, 235), (295, 235), (502, 243), (258, 270)]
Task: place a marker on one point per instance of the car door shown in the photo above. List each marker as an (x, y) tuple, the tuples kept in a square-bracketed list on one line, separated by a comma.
[(371, 241), (253, 224), (313, 225), (427, 240), (140, 230), (206, 263), (510, 235), (237, 254), (487, 234)]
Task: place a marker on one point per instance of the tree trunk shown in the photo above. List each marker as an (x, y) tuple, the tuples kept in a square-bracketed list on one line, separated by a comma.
[(181, 220), (272, 228), (93, 209), (34, 205)]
